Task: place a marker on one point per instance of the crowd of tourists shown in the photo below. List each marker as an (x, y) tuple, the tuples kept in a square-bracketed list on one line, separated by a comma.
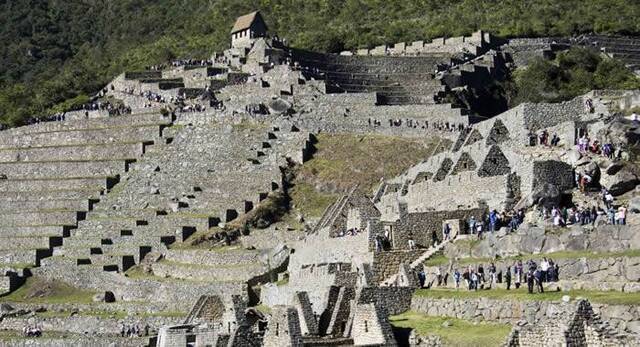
[(32, 331), (493, 221), (191, 62), (412, 123), (584, 144), (133, 330), (479, 277), (349, 232)]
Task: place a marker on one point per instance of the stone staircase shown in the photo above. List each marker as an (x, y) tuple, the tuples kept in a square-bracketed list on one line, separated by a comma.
[(54, 173), (421, 259)]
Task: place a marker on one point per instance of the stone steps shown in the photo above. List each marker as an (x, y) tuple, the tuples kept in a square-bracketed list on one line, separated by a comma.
[(22, 256), (27, 231), (44, 205), (73, 153), (38, 218), (139, 214), (55, 185), (207, 257), (134, 119), (30, 242), (82, 137), (207, 273), (110, 242), (62, 169), (60, 195)]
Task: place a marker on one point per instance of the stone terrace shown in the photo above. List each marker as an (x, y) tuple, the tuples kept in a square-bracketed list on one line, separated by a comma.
[(395, 80), (199, 177), (55, 172)]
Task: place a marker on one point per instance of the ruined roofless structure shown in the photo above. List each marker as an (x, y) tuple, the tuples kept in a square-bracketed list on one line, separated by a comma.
[(140, 211)]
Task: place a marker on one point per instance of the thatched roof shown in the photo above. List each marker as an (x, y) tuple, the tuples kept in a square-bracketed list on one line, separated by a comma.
[(244, 22)]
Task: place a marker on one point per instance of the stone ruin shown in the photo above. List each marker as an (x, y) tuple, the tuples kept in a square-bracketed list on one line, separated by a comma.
[(91, 197), (573, 325)]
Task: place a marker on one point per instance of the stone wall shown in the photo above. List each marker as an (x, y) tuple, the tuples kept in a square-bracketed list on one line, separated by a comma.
[(625, 318), (283, 328), (557, 173), (371, 327), (534, 240), (395, 300), (386, 264), (88, 325), (421, 226)]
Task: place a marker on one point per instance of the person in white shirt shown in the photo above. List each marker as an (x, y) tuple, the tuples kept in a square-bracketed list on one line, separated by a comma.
[(622, 215), (544, 267)]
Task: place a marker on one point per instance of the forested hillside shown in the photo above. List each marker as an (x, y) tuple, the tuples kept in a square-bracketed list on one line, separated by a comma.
[(55, 50)]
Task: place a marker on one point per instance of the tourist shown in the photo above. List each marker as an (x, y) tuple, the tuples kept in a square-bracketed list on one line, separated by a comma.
[(412, 244), (466, 275), (481, 277), (507, 277), (555, 140), (456, 278), (544, 268), (538, 279), (474, 281), (472, 224), (622, 215), (422, 277), (434, 237), (446, 231), (518, 270), (594, 215), (551, 275), (611, 214), (493, 220), (492, 275), (588, 105), (530, 281)]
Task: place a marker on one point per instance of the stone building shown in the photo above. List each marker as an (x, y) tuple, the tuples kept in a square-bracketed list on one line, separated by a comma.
[(572, 325), (247, 28)]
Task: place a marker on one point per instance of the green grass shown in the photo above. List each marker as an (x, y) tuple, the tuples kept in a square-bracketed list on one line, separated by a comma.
[(604, 297), (38, 290), (345, 160), (17, 265), (310, 202), (342, 161), (264, 309), (459, 333)]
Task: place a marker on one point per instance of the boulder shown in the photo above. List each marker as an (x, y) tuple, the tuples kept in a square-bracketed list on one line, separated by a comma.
[(623, 181), (552, 244), (573, 157), (634, 204), (5, 308), (547, 195), (592, 169), (620, 130), (613, 168), (279, 106)]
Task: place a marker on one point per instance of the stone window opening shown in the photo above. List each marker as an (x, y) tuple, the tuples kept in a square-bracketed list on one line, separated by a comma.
[(277, 329), (366, 326)]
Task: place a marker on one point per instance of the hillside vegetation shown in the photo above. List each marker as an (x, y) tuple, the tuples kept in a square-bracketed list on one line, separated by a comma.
[(54, 50), (570, 74), (342, 161)]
